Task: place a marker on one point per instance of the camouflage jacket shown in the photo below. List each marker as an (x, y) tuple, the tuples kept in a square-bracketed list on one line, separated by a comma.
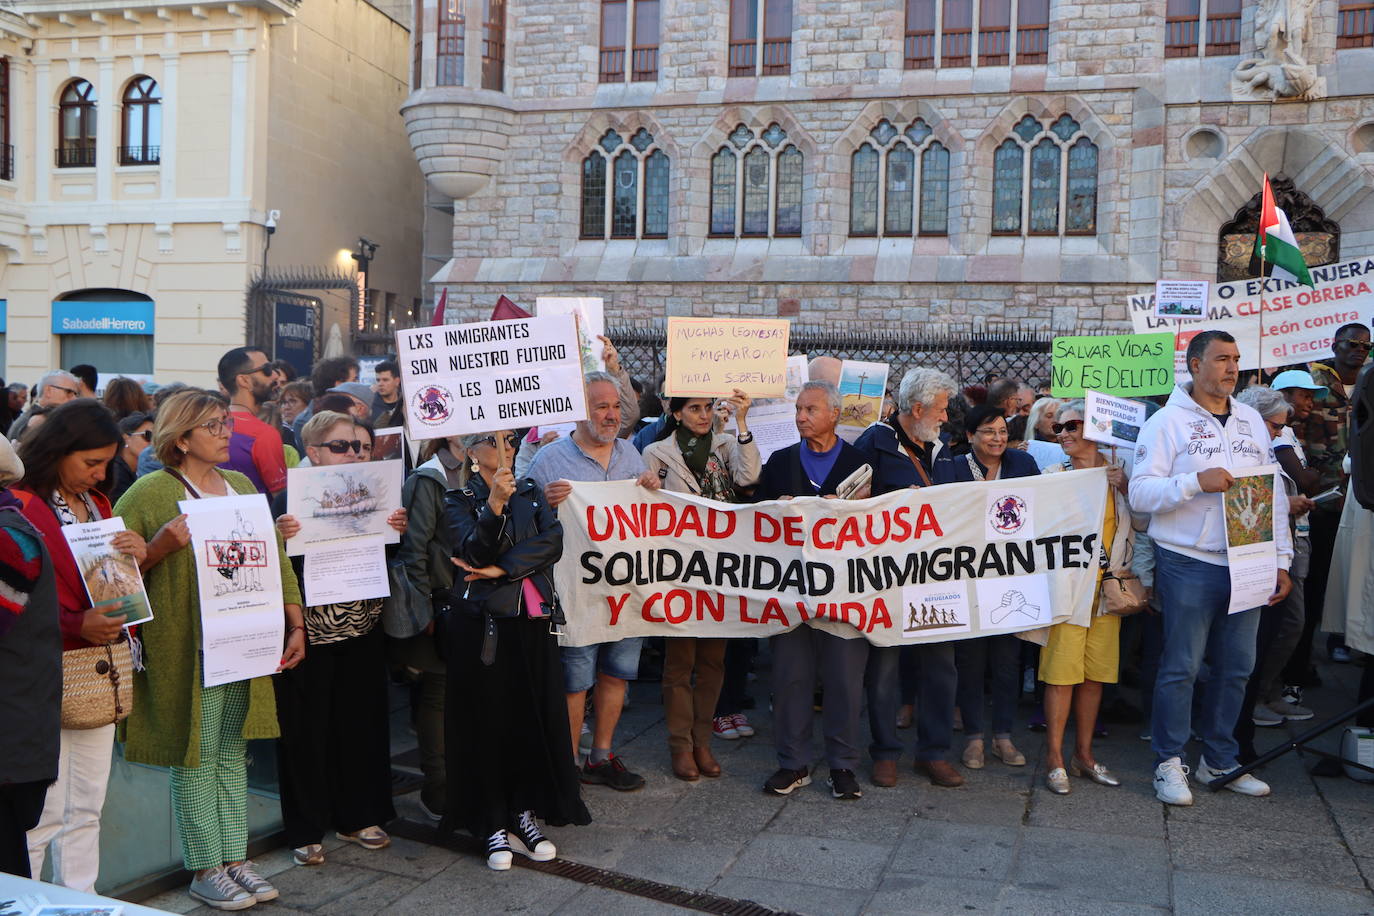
[(1325, 432)]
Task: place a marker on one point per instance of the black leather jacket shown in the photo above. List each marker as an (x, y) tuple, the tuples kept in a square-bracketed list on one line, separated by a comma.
[(525, 540)]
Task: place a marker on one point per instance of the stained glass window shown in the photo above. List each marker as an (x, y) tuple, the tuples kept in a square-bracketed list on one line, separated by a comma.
[(863, 191)]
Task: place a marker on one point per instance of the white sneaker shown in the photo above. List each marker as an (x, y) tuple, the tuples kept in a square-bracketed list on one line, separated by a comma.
[(1245, 785), (1171, 783), (499, 851)]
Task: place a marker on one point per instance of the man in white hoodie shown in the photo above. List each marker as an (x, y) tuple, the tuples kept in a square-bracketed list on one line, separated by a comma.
[(1183, 464)]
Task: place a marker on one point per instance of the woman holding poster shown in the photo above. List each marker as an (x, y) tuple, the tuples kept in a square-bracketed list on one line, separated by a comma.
[(989, 459), (1077, 661), (507, 714), (199, 731), (689, 458), (334, 759), (64, 463)]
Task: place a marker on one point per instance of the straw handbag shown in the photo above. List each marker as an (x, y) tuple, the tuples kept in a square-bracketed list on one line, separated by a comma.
[(97, 685)]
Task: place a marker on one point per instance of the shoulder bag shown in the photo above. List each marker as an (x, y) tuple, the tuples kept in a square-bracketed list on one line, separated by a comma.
[(97, 685)]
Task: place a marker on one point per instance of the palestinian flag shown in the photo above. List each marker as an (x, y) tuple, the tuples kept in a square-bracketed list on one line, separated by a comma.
[(1275, 245)]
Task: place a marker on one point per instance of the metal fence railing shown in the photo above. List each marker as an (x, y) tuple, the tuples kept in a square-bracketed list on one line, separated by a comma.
[(969, 356)]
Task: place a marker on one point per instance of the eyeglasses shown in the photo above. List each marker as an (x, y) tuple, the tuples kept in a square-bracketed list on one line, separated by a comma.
[(215, 427), (71, 391), (265, 369), (511, 439), (1364, 345), (1070, 427), (341, 446), (146, 435)]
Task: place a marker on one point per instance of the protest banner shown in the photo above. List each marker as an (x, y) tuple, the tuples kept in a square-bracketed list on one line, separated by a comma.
[(1127, 365), (1115, 421), (1181, 299), (711, 357), (242, 619), (471, 378), (1251, 551), (862, 386), (912, 566), (1297, 322)]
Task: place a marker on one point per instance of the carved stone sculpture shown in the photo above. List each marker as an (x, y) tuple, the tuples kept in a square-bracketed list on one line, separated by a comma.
[(1282, 29)]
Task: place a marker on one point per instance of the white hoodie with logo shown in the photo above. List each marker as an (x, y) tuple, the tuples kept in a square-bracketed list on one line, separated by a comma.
[(1180, 440)]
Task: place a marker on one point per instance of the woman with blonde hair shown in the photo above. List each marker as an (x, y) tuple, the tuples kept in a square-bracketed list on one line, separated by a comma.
[(1077, 661), (199, 731)]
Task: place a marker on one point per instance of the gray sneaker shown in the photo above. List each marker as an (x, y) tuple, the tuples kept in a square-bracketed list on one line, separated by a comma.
[(214, 888), (246, 876), (1265, 717)]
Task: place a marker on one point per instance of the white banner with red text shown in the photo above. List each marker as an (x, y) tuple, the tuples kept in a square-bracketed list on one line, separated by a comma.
[(913, 566)]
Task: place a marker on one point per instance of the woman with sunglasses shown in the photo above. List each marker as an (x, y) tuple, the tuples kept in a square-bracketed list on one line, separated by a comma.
[(1077, 661), (334, 759), (507, 713), (64, 465), (690, 458), (136, 431), (198, 731), (988, 459)]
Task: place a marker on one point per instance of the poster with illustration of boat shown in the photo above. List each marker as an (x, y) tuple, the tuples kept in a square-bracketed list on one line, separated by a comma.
[(343, 502), (112, 579)]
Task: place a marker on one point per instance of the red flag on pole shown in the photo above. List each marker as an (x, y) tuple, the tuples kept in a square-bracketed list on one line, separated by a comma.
[(506, 309), (439, 308)]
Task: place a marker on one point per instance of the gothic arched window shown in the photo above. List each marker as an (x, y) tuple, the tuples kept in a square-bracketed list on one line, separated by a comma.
[(885, 173), (625, 187), (1044, 180)]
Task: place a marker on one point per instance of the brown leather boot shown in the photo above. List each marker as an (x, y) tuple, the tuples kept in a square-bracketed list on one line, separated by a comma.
[(706, 761), (885, 773), (941, 773), (684, 767)]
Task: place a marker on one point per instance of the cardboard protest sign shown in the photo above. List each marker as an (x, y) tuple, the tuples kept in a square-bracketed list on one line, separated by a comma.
[(908, 567), (591, 324), (773, 421), (1132, 365), (1115, 421), (469, 378), (711, 357), (1297, 322)]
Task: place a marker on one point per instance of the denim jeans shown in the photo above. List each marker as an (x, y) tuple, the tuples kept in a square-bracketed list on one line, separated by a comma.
[(935, 685), (972, 658), (1193, 597)]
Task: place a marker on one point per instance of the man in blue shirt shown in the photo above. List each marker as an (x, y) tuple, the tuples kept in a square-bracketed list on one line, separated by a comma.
[(594, 452)]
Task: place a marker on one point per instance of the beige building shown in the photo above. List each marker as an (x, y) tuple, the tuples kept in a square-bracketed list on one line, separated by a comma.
[(150, 146), (904, 163)]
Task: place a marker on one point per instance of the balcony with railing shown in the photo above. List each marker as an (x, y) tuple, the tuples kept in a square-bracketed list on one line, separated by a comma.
[(994, 47), (76, 156), (742, 57), (1180, 36), (612, 65), (1355, 26), (7, 162), (777, 56), (1032, 44), (644, 64), (956, 48), (919, 52), (1223, 34), (140, 155)]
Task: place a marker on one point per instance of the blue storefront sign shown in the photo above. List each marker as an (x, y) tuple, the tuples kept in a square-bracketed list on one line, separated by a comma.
[(102, 317), (294, 336)]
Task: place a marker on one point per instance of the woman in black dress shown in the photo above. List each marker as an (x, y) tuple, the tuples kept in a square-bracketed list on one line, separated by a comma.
[(507, 719)]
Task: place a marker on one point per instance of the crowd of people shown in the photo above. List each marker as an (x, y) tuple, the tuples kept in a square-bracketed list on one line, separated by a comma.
[(510, 725)]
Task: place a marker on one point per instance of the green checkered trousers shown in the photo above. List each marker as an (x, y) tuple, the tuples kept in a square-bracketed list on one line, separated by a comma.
[(211, 800)]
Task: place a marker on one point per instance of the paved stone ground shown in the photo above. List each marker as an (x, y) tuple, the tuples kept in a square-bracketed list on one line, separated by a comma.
[(1001, 844)]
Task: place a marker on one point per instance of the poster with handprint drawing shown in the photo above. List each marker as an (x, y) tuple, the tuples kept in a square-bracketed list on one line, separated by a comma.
[(1251, 552), (1250, 510)]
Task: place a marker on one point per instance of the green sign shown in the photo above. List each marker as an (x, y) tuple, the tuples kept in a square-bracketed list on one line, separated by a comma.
[(1125, 365)]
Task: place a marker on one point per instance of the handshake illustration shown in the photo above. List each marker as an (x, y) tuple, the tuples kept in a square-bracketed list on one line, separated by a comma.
[(1013, 602)]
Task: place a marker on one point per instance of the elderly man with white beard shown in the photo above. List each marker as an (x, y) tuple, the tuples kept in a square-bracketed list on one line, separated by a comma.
[(904, 451)]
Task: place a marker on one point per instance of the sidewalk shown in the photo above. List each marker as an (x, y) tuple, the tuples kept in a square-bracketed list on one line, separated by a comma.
[(1001, 844)]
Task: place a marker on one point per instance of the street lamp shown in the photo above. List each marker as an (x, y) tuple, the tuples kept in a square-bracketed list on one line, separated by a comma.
[(367, 250)]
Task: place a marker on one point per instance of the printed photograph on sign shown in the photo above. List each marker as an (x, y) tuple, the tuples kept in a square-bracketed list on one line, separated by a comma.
[(1250, 510), (1114, 421), (112, 579), (342, 502), (932, 609), (237, 561), (1010, 516), (388, 444), (862, 386), (1014, 601), (1181, 298)]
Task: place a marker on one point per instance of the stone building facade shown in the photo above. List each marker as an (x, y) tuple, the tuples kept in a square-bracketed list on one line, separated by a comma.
[(1183, 115)]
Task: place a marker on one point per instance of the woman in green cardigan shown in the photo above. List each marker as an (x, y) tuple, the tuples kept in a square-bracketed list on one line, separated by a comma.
[(198, 731)]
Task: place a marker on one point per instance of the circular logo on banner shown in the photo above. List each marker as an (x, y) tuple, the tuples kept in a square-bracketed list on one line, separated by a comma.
[(1008, 514), (433, 404)]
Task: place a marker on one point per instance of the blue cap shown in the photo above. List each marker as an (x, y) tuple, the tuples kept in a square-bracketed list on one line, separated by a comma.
[(1297, 378)]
